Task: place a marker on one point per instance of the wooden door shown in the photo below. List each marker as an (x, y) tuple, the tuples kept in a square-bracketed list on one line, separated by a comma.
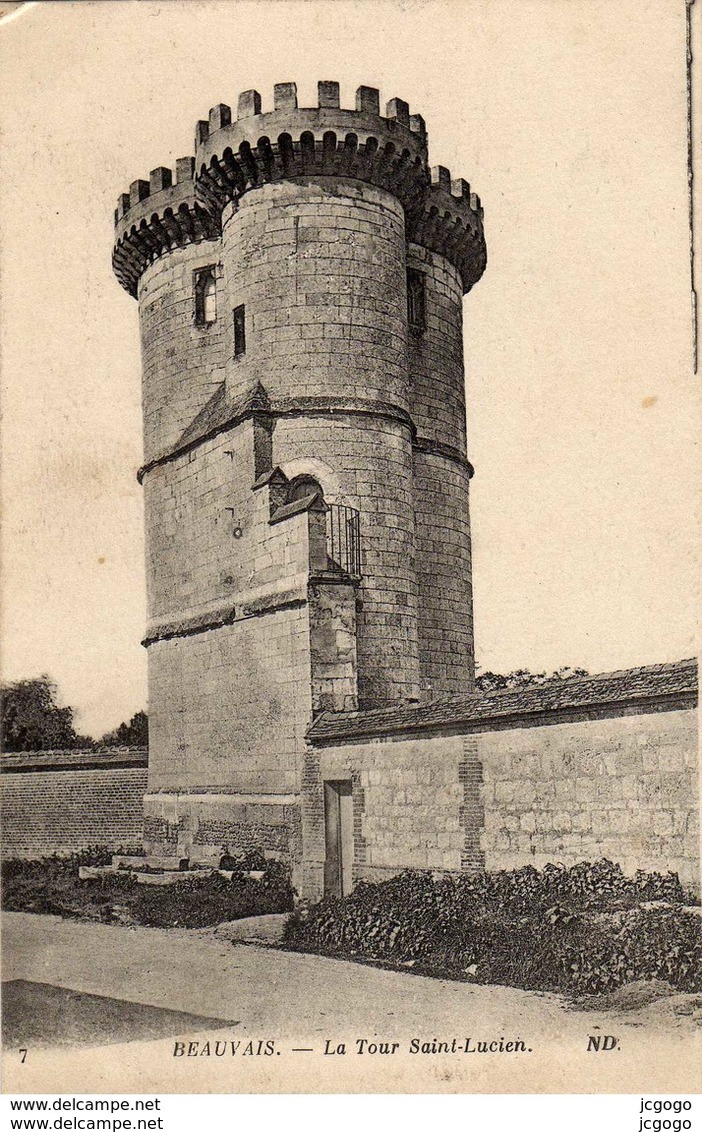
[(338, 826)]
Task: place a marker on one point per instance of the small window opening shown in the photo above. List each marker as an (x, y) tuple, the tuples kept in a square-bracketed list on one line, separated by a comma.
[(302, 486), (416, 302), (239, 331), (205, 297)]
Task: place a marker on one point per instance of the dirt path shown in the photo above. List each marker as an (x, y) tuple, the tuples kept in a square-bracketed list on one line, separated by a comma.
[(301, 1002)]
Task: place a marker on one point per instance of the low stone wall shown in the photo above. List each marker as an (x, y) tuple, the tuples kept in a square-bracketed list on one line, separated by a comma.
[(516, 783), (625, 788), (63, 801)]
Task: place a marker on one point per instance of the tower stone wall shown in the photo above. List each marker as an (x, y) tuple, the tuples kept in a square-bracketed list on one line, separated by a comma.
[(300, 284), (183, 364), (441, 475)]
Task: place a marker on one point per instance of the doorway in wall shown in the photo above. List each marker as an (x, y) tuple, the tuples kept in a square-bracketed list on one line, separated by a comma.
[(338, 827)]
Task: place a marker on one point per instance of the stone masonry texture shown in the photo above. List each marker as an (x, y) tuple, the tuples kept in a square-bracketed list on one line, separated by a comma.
[(182, 363), (326, 384), (623, 788), (483, 785), (305, 223)]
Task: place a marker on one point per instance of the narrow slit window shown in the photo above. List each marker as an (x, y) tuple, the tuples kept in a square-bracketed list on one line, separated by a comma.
[(205, 297), (238, 315), (416, 301)]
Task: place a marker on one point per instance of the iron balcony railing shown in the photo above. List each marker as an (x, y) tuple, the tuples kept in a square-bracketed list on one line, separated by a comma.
[(343, 540)]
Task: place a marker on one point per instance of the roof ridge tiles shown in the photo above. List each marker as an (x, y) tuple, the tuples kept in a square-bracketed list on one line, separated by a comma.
[(555, 694)]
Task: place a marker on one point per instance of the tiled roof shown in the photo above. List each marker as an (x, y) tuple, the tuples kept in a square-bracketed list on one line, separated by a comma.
[(629, 686), (83, 759)]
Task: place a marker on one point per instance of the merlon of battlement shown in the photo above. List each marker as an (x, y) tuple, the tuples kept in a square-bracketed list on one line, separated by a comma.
[(235, 156), (249, 105), (354, 128), (159, 180)]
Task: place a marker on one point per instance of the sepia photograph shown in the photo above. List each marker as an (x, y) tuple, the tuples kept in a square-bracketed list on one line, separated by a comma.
[(350, 551)]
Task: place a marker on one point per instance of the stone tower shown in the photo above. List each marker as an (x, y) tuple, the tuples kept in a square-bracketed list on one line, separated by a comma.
[(300, 285)]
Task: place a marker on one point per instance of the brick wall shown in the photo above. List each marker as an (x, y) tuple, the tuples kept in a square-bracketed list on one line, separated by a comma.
[(64, 810), (619, 784)]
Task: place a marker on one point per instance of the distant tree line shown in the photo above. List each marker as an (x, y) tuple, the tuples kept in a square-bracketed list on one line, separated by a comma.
[(522, 678), (33, 720)]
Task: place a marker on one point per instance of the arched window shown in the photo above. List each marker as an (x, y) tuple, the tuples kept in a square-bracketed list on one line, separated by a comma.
[(205, 297), (302, 486)]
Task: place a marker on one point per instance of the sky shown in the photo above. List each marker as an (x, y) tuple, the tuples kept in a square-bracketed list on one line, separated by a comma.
[(567, 117)]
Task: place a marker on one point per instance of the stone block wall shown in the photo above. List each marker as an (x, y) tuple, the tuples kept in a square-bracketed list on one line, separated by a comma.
[(620, 785), (229, 654), (201, 527), (333, 646), (444, 575), (441, 475), (416, 804), (437, 380), (372, 458), (182, 363), (71, 808), (413, 796), (625, 788), (320, 268), (231, 705), (204, 827)]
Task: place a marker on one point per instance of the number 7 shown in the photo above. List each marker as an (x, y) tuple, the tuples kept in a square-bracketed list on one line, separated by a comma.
[(24, 1055)]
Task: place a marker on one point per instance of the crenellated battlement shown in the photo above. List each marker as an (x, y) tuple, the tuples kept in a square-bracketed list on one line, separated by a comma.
[(235, 156), (238, 153), (156, 216), (448, 220)]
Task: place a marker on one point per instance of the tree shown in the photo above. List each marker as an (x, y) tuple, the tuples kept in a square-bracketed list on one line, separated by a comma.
[(523, 678), (132, 734), (32, 720)]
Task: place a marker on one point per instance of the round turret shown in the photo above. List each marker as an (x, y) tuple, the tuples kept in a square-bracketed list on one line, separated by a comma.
[(155, 217), (233, 157)]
